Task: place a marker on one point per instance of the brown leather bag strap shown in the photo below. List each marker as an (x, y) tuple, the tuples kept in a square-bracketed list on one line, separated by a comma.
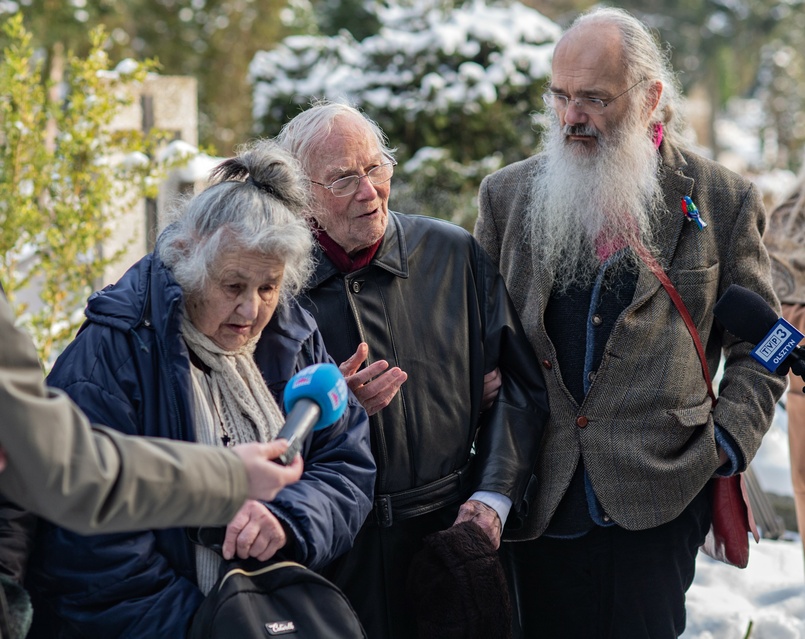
[(661, 275)]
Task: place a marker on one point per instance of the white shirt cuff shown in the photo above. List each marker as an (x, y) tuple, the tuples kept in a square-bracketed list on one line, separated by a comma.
[(500, 503)]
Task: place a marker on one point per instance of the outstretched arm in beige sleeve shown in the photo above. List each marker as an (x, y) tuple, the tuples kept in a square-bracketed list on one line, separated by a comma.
[(97, 480)]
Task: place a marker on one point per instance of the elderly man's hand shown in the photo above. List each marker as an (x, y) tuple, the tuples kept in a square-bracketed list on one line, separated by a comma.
[(253, 532), (266, 477), (373, 387), (492, 384), (485, 516)]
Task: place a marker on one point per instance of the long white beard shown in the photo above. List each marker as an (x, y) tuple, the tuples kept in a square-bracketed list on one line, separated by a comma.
[(583, 201)]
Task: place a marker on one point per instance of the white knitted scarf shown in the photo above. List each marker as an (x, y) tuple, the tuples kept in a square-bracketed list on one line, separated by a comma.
[(247, 408), (240, 401)]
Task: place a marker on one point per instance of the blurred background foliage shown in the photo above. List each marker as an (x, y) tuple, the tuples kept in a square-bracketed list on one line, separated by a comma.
[(412, 65), (65, 175), (455, 84)]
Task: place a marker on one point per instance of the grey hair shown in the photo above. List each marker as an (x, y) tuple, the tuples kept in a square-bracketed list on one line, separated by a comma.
[(305, 130), (257, 201), (643, 59)]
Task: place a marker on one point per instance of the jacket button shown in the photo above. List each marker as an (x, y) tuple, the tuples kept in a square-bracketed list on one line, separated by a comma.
[(596, 320), (356, 286), (591, 376), (547, 364), (581, 421)]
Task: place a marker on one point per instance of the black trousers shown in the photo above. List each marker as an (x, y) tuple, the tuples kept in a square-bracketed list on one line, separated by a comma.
[(611, 583), (374, 573)]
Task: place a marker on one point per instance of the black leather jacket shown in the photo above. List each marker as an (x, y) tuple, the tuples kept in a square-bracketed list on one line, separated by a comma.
[(432, 303)]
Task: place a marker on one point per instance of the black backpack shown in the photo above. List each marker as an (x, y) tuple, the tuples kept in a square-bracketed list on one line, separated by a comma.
[(252, 599)]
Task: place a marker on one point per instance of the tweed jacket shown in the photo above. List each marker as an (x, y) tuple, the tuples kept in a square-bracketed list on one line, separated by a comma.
[(645, 429)]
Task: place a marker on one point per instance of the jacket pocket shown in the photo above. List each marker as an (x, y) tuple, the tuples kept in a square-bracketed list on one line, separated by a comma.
[(699, 290), (693, 416), (694, 277)]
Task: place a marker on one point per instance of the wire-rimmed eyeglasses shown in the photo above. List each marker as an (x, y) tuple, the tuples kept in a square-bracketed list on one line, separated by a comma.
[(348, 185), (590, 106)]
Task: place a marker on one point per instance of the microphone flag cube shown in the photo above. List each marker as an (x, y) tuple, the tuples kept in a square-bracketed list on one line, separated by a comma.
[(778, 344)]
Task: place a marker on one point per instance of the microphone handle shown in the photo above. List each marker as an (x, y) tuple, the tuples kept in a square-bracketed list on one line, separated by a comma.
[(797, 360), (303, 416)]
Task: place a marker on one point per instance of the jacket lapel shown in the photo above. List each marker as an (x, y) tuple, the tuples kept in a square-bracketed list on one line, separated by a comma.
[(675, 186), (393, 252)]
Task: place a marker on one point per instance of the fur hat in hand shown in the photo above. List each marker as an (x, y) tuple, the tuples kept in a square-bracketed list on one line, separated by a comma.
[(457, 586)]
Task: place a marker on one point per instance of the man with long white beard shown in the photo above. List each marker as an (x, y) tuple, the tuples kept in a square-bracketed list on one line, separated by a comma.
[(621, 509)]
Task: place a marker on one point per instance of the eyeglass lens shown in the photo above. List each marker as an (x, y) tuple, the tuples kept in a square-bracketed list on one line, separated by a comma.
[(377, 175), (584, 105)]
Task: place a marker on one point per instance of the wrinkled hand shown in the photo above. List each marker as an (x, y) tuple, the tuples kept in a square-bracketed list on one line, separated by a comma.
[(485, 516), (253, 532), (374, 388), (2, 460), (492, 384), (266, 477)]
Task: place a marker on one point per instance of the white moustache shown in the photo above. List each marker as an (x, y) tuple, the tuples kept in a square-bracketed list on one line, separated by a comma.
[(580, 129)]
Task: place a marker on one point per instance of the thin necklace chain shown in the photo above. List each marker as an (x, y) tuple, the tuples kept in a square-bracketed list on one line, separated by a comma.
[(226, 440)]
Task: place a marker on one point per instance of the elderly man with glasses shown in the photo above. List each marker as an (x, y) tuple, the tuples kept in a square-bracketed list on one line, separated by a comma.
[(398, 298), (583, 232)]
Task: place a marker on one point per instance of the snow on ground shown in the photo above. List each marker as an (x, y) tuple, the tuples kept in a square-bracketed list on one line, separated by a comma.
[(770, 592)]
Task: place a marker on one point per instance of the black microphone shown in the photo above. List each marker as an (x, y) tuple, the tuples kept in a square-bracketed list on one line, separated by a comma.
[(749, 317)]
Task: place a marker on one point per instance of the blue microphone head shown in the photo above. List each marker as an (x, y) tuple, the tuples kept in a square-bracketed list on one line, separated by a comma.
[(320, 383)]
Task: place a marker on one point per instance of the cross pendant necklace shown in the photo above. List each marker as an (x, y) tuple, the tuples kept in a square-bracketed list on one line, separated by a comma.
[(225, 438)]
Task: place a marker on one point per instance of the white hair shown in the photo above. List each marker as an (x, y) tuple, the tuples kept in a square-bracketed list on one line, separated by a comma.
[(584, 204), (301, 135), (258, 202)]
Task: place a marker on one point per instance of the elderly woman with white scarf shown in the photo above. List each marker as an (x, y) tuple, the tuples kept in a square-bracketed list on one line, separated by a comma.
[(196, 342)]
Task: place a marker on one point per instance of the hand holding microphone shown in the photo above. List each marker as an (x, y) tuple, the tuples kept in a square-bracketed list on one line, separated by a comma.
[(267, 478), (315, 398), (748, 316)]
